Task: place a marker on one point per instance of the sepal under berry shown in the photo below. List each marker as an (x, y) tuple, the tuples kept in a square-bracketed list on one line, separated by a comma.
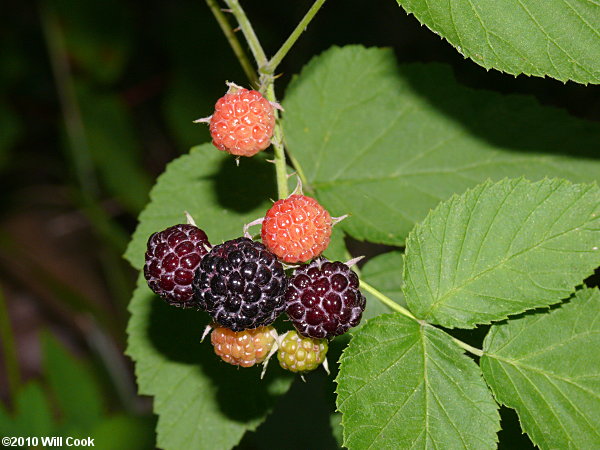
[(301, 354), (243, 348), (171, 259)]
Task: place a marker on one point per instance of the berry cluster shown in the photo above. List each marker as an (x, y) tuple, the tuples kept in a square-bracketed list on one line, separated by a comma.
[(242, 284)]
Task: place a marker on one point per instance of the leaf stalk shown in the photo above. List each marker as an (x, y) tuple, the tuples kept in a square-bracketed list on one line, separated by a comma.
[(396, 307)]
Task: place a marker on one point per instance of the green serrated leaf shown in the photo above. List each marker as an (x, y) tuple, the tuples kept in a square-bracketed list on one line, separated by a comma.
[(560, 39), (219, 195), (77, 393), (389, 143), (501, 249), (383, 272), (201, 402), (406, 385), (547, 367)]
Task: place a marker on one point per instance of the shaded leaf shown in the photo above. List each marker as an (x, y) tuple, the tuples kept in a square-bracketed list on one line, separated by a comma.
[(547, 367), (336, 250), (387, 143), (501, 249)]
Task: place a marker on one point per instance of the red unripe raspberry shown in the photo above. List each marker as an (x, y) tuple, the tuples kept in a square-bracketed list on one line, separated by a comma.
[(296, 229), (242, 123), (242, 348)]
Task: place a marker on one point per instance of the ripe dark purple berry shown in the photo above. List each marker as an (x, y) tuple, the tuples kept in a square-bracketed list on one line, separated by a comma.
[(241, 285), (323, 299), (172, 258)]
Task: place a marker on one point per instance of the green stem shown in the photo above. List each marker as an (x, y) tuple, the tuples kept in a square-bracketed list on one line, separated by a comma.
[(287, 45), (269, 90), (468, 347), (249, 34), (298, 168), (386, 300), (279, 151), (11, 362), (233, 42), (395, 306)]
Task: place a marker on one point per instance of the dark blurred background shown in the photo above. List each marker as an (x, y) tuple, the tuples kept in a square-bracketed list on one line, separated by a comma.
[(95, 98)]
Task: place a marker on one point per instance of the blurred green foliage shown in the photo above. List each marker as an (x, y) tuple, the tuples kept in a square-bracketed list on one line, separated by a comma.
[(70, 402)]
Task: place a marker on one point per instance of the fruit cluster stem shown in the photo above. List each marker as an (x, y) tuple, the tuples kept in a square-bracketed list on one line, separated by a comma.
[(267, 69), (278, 149)]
